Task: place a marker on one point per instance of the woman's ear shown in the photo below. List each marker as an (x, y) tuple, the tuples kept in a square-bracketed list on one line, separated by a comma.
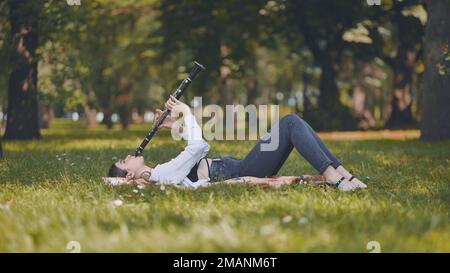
[(146, 175), (130, 175)]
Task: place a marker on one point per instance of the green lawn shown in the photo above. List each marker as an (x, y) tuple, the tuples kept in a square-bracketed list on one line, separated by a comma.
[(51, 193)]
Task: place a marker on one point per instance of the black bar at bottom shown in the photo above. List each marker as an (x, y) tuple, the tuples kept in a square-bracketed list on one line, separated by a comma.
[(222, 262)]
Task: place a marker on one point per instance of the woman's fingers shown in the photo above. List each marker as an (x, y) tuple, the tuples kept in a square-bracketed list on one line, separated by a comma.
[(169, 105), (174, 100), (158, 113), (171, 102)]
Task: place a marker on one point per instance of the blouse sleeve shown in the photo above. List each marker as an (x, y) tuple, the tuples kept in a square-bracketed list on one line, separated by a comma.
[(175, 170)]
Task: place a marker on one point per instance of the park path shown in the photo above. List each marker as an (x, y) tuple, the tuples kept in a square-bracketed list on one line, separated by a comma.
[(382, 134)]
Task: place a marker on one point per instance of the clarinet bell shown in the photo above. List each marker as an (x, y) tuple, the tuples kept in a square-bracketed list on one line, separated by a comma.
[(195, 70)]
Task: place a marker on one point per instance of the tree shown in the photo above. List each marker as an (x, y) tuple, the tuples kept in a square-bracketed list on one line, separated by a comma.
[(322, 24), (109, 78), (222, 35), (407, 40), (4, 53), (31, 24), (22, 122), (436, 111), (1, 149)]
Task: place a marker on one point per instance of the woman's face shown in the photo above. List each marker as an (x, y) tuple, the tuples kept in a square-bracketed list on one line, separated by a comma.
[(131, 163)]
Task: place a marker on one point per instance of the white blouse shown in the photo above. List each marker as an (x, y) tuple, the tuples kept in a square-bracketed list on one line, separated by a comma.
[(176, 170)]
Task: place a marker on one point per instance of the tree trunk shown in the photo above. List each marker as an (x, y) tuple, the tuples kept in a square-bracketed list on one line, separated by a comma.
[(306, 101), (90, 112), (252, 90), (90, 115), (225, 81), (107, 120), (436, 100), (251, 83), (124, 103), (23, 118), (106, 106), (331, 113), (329, 95), (361, 97), (125, 116), (46, 116), (225, 91), (401, 101), (1, 150)]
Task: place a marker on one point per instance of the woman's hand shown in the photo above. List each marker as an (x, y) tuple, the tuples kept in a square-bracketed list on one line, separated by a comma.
[(176, 107), (168, 121)]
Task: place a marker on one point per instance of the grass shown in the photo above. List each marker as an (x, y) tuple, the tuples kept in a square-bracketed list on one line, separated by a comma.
[(51, 194)]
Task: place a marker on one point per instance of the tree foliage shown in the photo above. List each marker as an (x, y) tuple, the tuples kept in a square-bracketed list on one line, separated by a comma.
[(309, 56)]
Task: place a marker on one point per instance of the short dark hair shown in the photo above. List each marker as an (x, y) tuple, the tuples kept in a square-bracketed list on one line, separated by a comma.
[(115, 171)]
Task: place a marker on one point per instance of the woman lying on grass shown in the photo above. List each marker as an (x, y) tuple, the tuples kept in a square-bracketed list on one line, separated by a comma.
[(192, 168)]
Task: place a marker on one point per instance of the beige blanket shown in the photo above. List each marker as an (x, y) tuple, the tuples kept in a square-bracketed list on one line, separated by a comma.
[(275, 181)]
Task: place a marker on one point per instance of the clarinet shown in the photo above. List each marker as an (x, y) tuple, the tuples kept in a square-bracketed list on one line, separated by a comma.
[(177, 94)]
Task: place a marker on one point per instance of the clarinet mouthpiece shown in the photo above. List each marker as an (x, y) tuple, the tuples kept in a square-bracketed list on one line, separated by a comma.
[(138, 153)]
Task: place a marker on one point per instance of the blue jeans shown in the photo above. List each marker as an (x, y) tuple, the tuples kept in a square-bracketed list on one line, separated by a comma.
[(294, 132)]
